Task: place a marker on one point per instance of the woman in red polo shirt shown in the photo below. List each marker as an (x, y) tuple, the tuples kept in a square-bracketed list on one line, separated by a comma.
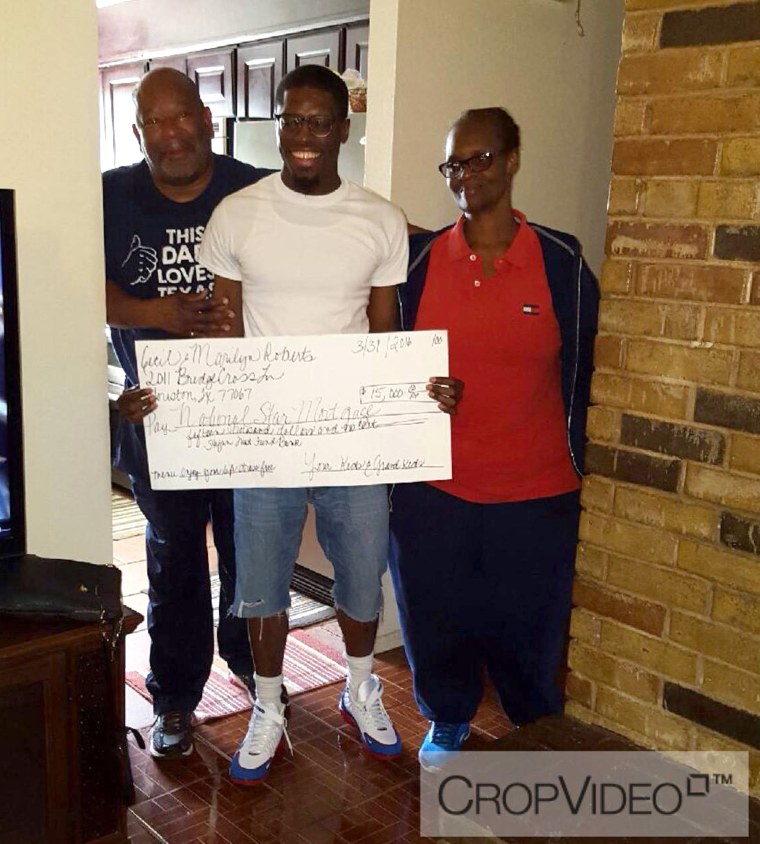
[(483, 563)]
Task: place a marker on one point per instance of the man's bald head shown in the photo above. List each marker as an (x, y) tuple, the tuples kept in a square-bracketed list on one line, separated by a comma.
[(163, 79), (174, 130)]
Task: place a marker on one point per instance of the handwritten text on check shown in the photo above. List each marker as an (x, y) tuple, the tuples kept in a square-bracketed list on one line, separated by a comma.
[(328, 410)]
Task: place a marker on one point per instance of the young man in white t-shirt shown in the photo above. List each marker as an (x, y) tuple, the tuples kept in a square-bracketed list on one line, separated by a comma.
[(305, 252)]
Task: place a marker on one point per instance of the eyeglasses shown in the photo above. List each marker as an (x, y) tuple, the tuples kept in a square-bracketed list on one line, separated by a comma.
[(455, 169), (320, 125)]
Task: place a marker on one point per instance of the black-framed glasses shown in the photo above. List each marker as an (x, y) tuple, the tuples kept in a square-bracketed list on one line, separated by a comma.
[(320, 125), (455, 168)]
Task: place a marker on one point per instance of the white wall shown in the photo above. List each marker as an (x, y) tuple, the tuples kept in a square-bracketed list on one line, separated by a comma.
[(49, 155), (431, 59), (143, 27)]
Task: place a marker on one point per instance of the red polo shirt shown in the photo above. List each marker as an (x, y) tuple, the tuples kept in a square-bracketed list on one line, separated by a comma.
[(508, 437)]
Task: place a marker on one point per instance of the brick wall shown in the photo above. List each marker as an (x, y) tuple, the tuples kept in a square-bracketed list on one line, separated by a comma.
[(666, 631)]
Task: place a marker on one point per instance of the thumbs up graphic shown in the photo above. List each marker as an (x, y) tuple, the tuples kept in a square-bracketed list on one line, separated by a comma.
[(140, 262)]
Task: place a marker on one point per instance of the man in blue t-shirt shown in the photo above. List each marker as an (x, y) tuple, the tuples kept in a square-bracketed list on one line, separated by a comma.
[(155, 213)]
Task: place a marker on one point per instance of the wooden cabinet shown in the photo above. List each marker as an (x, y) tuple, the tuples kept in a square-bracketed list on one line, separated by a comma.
[(259, 70), (233, 82), (175, 62), (61, 733), (34, 805), (320, 47), (357, 48), (212, 73), (261, 66), (118, 143)]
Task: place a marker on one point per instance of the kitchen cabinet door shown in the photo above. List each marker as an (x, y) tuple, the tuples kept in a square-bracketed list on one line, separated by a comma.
[(357, 48), (175, 62), (118, 145), (259, 71), (320, 47), (212, 73)]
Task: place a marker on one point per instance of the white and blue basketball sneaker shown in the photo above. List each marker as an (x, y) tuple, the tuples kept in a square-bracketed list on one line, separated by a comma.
[(266, 731), (367, 713)]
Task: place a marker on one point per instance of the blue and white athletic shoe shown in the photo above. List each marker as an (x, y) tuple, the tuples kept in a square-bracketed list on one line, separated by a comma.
[(441, 743), (266, 730), (367, 713)]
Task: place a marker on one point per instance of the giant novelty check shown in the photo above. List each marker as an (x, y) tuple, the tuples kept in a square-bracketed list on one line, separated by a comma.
[(328, 410)]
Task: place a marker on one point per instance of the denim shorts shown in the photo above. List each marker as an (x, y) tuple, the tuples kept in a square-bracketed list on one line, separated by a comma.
[(352, 528)]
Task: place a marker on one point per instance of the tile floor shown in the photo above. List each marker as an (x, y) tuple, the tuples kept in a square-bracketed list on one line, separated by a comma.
[(330, 790)]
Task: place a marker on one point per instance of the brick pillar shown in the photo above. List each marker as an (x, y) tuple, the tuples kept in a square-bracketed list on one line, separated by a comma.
[(666, 630)]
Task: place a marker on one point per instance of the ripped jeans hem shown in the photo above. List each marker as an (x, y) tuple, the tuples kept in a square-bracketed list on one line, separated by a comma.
[(376, 616), (255, 609)]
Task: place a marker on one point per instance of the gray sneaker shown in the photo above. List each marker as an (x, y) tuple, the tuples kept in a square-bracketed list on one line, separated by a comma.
[(171, 735)]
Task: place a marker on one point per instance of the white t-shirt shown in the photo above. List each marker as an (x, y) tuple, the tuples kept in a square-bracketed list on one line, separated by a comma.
[(306, 263)]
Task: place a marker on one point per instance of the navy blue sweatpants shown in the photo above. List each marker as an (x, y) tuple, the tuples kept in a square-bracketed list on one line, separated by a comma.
[(483, 585), (180, 615)]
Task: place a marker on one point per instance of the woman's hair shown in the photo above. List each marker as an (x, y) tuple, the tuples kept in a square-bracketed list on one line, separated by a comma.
[(500, 118)]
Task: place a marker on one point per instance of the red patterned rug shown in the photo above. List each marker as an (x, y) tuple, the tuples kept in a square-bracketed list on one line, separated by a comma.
[(312, 659)]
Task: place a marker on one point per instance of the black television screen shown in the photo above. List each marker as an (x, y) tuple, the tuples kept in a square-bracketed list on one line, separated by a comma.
[(12, 524)]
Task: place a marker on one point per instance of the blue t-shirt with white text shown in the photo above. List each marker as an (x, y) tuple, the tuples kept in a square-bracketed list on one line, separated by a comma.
[(151, 248)]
